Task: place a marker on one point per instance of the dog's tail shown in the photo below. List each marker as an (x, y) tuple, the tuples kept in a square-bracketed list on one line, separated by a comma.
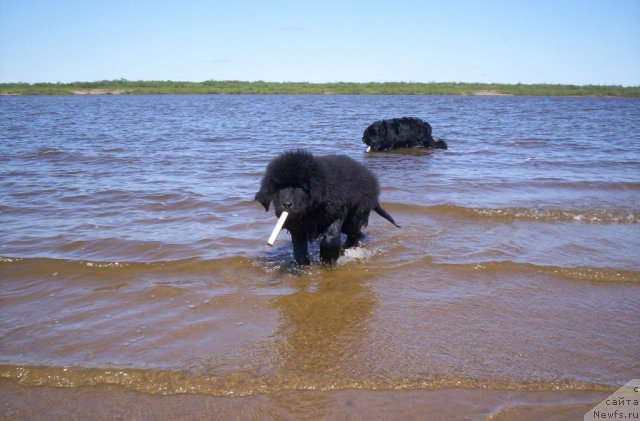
[(383, 213)]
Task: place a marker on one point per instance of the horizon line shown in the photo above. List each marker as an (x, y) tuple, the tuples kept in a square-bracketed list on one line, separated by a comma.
[(124, 80)]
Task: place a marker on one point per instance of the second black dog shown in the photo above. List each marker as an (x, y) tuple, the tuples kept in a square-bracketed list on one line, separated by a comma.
[(325, 196), (405, 132)]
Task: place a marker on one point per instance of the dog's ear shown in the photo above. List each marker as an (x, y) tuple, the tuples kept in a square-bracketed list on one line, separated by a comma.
[(264, 199)]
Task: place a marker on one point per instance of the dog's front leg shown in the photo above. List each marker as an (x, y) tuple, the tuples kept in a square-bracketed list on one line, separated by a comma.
[(300, 248), (330, 246)]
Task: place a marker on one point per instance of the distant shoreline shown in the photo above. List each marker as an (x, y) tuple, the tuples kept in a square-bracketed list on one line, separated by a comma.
[(125, 87)]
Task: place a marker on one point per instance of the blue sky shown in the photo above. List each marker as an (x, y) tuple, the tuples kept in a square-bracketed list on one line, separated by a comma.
[(511, 41)]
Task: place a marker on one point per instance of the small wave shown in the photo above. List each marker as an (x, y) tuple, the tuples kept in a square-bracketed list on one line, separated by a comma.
[(74, 156), (43, 267), (578, 273), (594, 274), (34, 267), (241, 383), (588, 274), (585, 185), (524, 214), (107, 265), (47, 152)]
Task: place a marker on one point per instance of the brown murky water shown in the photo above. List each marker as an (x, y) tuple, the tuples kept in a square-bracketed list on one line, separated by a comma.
[(135, 276)]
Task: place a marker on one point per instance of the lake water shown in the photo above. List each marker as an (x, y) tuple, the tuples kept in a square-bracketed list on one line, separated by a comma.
[(133, 254)]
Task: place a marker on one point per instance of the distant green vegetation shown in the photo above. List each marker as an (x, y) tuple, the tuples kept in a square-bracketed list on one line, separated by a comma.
[(123, 86)]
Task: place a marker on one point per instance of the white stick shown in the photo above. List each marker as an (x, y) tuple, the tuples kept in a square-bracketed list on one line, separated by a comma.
[(277, 228), (369, 149)]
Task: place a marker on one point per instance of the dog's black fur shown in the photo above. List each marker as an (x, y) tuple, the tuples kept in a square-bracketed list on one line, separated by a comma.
[(405, 132), (325, 196)]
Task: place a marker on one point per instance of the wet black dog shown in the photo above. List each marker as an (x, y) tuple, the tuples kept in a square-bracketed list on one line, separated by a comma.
[(325, 196), (405, 132)]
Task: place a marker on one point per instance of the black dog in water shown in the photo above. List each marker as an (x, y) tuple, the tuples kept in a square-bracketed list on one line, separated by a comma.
[(405, 132), (324, 196)]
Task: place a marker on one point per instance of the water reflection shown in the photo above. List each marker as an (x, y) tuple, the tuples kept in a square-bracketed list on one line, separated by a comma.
[(325, 324)]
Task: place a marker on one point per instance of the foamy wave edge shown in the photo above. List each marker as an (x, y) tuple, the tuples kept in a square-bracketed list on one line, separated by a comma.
[(582, 273), (174, 382), (50, 267), (596, 216)]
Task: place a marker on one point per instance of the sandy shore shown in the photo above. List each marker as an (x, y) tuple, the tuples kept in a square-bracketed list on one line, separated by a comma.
[(490, 93), (99, 92), (111, 402)]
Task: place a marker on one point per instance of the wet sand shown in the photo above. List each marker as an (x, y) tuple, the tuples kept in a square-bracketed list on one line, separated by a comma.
[(110, 402)]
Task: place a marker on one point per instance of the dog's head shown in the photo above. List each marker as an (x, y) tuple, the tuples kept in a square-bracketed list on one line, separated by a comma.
[(375, 134), (294, 181)]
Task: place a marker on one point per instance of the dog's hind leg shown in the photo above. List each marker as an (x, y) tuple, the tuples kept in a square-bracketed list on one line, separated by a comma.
[(353, 240), (330, 245), (352, 228), (300, 248)]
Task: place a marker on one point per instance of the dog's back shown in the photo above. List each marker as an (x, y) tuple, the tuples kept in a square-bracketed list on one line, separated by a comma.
[(405, 132), (350, 182)]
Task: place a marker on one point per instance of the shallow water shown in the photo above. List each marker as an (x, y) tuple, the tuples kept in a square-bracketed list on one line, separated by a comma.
[(133, 253)]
